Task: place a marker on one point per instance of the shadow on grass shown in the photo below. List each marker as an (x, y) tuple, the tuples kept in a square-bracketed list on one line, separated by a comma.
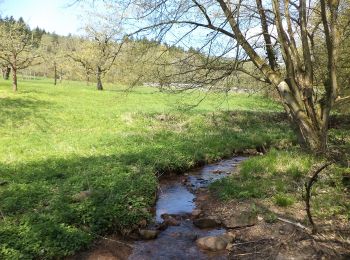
[(16, 111), (60, 203)]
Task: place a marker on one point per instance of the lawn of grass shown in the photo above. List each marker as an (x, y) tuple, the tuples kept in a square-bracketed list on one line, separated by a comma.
[(57, 141)]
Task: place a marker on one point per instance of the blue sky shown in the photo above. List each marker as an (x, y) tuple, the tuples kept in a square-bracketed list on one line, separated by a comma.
[(51, 15)]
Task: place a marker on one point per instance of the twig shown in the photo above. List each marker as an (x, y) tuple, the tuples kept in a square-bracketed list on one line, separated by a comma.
[(297, 224), (113, 240), (254, 253), (323, 238), (255, 241), (308, 187)]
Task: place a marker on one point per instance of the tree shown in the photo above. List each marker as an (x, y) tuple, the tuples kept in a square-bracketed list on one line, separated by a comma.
[(17, 46), (52, 53), (276, 36), (96, 53), (99, 49), (81, 52)]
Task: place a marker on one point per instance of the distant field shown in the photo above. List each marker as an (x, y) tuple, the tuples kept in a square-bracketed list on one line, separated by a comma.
[(57, 141)]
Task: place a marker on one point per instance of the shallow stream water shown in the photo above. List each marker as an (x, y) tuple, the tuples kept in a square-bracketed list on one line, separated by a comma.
[(177, 198)]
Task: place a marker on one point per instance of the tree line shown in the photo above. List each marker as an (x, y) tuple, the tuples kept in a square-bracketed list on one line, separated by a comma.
[(100, 54)]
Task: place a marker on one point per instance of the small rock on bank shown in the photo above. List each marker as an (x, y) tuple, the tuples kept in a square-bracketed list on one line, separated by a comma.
[(244, 219), (196, 213), (215, 243)]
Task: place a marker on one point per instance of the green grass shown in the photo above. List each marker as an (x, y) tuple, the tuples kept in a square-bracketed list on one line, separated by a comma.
[(57, 141), (280, 176), (283, 200)]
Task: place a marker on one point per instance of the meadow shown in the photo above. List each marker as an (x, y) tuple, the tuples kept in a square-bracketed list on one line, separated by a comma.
[(76, 162)]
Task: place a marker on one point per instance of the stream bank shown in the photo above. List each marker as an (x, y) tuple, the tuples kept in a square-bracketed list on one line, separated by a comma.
[(190, 223), (178, 221)]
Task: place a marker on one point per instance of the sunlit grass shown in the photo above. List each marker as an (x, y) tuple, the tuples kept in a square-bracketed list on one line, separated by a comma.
[(57, 141)]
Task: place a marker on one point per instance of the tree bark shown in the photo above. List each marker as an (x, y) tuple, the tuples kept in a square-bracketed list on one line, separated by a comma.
[(265, 29), (295, 89), (14, 79), (312, 135), (6, 72), (99, 81)]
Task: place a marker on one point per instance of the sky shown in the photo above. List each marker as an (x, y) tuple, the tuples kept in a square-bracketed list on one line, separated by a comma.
[(52, 15)]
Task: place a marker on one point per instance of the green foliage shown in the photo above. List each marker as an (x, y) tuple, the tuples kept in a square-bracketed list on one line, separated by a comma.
[(283, 200), (58, 142)]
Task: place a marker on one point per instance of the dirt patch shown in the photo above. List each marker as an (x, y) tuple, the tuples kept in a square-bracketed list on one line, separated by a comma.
[(272, 238), (111, 248)]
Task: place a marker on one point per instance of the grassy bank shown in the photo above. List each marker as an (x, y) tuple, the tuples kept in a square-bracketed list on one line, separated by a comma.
[(278, 179), (75, 162)]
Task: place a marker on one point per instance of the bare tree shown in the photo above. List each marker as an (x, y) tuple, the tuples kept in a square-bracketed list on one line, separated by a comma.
[(276, 36), (17, 46), (98, 51)]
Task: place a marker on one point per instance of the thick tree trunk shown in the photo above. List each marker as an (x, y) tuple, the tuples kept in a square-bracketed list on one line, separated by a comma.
[(311, 134), (99, 81), (14, 79)]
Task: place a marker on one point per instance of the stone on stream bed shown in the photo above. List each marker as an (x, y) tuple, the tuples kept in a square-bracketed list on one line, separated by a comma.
[(148, 234), (206, 223), (215, 243), (170, 220)]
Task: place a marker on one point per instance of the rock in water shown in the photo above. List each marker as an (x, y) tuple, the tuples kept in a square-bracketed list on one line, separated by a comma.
[(206, 223), (148, 234), (170, 221)]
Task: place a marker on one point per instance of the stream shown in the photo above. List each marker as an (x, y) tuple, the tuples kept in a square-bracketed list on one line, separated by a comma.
[(177, 198)]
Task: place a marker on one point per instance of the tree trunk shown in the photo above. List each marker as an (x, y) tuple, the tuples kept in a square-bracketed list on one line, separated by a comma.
[(311, 134), (14, 79), (99, 81), (55, 73), (6, 72)]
